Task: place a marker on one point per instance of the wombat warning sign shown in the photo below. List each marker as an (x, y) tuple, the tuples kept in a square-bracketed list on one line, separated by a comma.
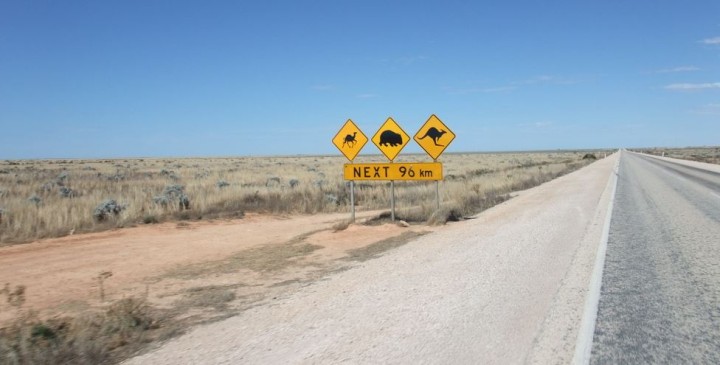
[(390, 139)]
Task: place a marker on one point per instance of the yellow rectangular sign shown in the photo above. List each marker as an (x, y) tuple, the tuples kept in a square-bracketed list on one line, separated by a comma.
[(394, 171)]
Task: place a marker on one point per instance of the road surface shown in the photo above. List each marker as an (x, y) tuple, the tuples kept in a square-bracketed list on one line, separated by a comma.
[(506, 287), (660, 296)]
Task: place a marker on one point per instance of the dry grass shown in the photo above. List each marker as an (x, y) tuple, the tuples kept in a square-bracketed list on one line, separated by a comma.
[(263, 259), (376, 249), (52, 198), (702, 154), (214, 296), (123, 328), (95, 338)]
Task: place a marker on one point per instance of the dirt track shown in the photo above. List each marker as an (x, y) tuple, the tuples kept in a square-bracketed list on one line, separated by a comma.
[(60, 274)]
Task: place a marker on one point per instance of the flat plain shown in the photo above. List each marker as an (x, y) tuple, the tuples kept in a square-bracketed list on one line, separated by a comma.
[(54, 198)]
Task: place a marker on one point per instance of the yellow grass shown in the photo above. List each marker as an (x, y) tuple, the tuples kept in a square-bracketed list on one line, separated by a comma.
[(702, 154), (32, 207)]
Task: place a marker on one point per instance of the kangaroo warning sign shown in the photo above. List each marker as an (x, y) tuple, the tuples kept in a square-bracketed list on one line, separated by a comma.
[(434, 137), (390, 139), (350, 140)]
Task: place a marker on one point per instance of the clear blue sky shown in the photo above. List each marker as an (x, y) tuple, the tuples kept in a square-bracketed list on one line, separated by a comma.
[(226, 78)]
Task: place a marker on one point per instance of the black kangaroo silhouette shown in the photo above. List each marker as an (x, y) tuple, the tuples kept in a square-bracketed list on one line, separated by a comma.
[(435, 135)]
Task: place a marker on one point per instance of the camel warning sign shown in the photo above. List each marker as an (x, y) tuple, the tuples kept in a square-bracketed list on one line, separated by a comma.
[(350, 140), (434, 137), (390, 139)]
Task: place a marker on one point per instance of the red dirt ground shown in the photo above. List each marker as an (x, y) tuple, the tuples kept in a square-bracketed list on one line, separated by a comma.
[(61, 274)]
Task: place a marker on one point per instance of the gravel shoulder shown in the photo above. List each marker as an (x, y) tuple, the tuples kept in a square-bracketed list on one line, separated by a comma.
[(506, 287)]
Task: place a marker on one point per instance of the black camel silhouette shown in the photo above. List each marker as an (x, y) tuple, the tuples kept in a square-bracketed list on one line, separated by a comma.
[(350, 140)]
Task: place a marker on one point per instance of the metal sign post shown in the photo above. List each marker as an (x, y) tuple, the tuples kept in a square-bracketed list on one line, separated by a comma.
[(391, 139), (437, 192), (350, 140), (352, 201), (392, 200), (434, 137)]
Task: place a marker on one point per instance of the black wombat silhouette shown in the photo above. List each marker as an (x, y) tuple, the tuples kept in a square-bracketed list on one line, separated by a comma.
[(391, 138), (435, 135)]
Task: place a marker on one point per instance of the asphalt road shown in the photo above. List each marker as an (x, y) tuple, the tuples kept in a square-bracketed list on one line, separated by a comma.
[(660, 295)]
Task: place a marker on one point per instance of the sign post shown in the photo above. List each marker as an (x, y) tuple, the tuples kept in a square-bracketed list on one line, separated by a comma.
[(392, 200), (350, 140), (437, 195), (434, 137), (352, 201), (391, 139)]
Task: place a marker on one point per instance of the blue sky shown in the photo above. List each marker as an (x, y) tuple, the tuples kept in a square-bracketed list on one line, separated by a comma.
[(86, 79)]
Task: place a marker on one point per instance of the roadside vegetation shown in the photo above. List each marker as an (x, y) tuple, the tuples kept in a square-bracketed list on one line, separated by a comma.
[(54, 198), (701, 154), (97, 337)]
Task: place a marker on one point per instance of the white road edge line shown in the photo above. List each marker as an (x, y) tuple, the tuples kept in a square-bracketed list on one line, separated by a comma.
[(583, 345), (715, 195)]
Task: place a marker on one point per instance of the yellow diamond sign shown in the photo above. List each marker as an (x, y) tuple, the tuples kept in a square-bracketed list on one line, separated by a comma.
[(350, 140), (390, 139), (434, 137)]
